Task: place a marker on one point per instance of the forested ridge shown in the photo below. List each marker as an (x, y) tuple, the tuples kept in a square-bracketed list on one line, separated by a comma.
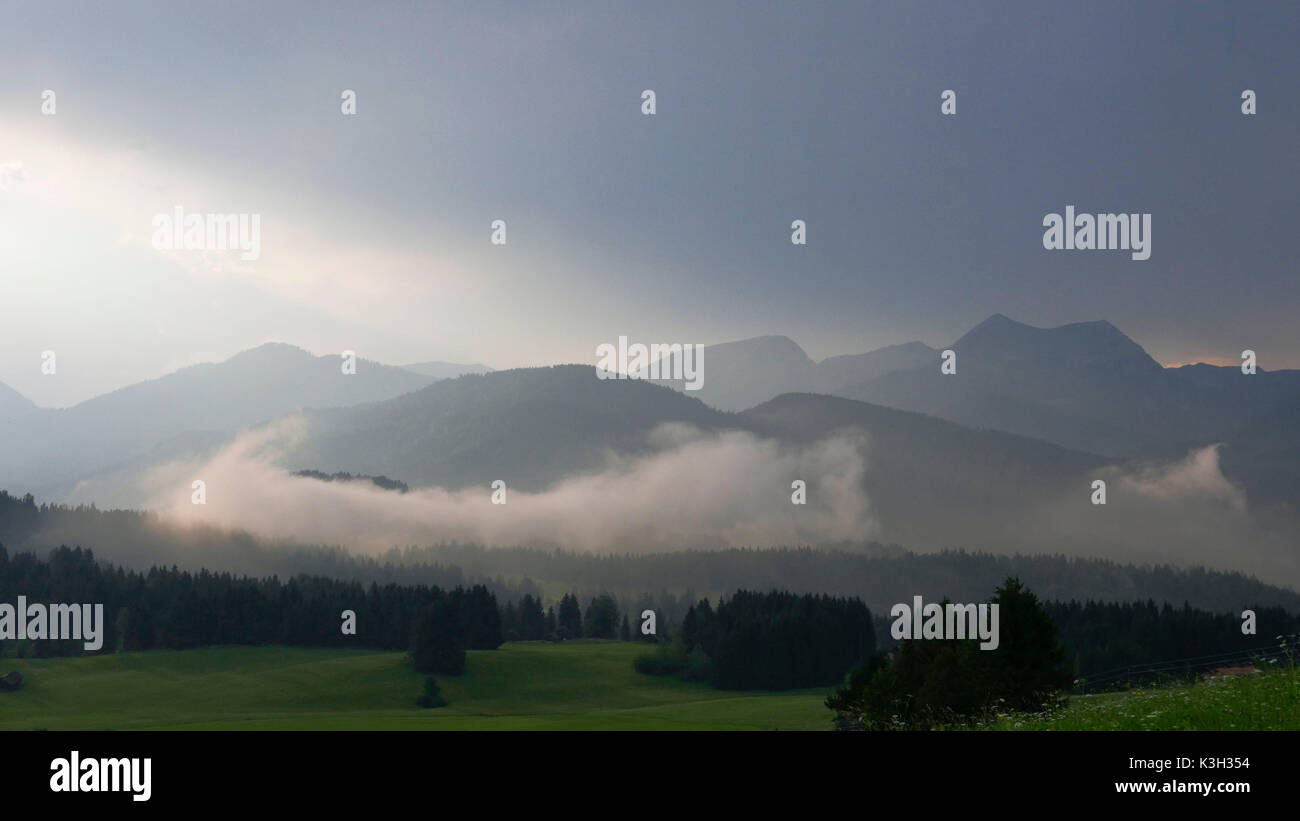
[(671, 582), (169, 608), (1108, 615)]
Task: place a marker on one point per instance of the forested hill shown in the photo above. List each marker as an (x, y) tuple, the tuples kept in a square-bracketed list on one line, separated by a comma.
[(879, 575)]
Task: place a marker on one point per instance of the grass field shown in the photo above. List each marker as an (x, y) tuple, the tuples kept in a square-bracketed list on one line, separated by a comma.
[(579, 685), (1261, 701)]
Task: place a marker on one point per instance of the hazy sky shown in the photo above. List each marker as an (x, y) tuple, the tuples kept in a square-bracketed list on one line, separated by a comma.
[(375, 228)]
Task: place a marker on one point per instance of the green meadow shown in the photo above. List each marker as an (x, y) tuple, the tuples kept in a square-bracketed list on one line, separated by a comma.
[(576, 685), (1260, 701)]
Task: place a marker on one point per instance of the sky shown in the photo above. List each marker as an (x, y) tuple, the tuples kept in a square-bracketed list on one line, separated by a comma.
[(375, 228)]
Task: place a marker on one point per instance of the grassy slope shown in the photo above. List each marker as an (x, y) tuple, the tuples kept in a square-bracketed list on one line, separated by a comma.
[(1262, 701), (525, 685)]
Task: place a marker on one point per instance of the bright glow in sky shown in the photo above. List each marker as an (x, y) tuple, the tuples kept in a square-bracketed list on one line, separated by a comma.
[(375, 228)]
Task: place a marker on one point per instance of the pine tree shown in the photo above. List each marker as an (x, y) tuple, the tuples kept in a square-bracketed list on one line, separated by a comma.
[(570, 617), (532, 621), (440, 638), (1029, 663), (510, 622), (602, 618), (690, 629), (484, 618)]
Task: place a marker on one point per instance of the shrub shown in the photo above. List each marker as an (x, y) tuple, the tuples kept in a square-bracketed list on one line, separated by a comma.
[(431, 697), (667, 660)]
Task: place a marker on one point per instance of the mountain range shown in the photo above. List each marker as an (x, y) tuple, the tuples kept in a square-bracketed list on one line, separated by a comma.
[(740, 375), (51, 448), (1029, 416), (1084, 386)]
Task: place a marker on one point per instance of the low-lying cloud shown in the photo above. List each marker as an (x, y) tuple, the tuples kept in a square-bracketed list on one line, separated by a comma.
[(697, 490), (1184, 512), (709, 490)]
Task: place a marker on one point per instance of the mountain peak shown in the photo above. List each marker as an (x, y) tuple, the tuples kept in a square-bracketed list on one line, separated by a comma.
[(1000, 318), (1096, 343), (272, 350), (1099, 326), (767, 343), (998, 324)]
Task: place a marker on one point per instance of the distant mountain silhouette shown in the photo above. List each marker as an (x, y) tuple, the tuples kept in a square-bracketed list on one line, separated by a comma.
[(1085, 386), (928, 480), (528, 426), (836, 373), (932, 481), (1088, 386), (256, 386), (533, 427), (740, 375)]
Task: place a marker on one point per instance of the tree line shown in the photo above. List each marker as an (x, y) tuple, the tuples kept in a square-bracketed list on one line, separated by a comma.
[(1044, 646), (1103, 636), (669, 583), (767, 641), (601, 620), (167, 608), (170, 608)]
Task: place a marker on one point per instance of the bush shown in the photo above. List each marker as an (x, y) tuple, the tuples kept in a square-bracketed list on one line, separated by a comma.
[(698, 666), (431, 697), (667, 660)]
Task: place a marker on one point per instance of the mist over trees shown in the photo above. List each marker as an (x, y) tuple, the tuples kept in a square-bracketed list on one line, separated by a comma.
[(1108, 615), (667, 582)]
